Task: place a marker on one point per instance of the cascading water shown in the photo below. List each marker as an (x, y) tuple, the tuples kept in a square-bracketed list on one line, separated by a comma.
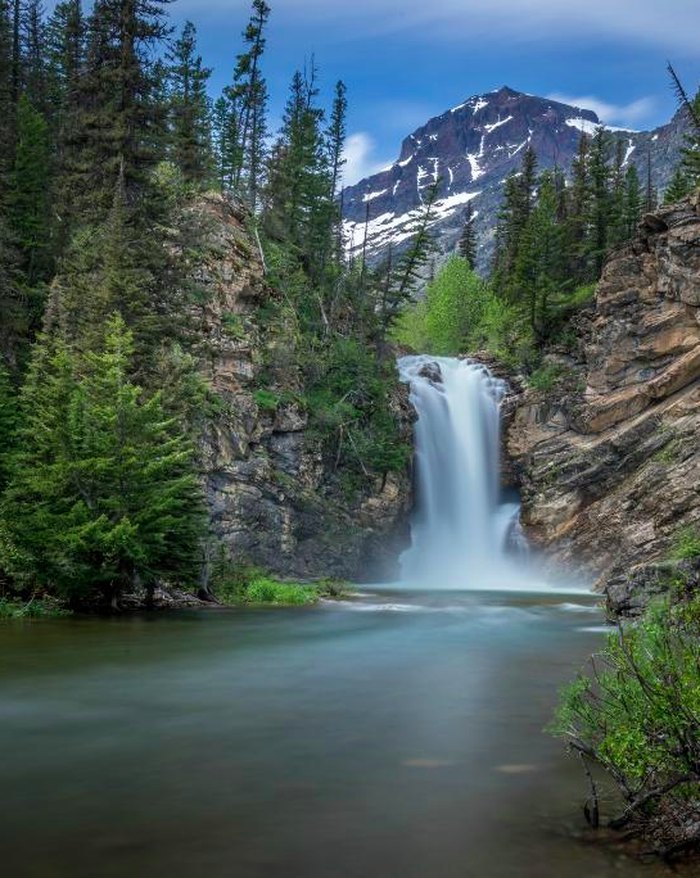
[(460, 529)]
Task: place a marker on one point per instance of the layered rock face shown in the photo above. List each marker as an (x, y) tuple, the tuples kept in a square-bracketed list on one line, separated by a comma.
[(610, 464), (272, 501)]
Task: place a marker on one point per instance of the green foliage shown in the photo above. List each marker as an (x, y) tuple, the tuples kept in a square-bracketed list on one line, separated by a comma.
[(462, 313), (410, 329), (271, 591), (686, 545), (9, 416), (467, 242), (545, 378), (233, 325), (680, 186), (240, 583), (102, 494), (33, 609), (189, 129), (636, 716), (455, 305), (267, 400), (347, 401), (29, 192), (553, 237)]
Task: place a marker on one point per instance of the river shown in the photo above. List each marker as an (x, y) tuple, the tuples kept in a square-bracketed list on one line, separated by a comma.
[(397, 735)]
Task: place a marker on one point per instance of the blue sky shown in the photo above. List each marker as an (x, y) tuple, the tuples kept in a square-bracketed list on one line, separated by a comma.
[(406, 60)]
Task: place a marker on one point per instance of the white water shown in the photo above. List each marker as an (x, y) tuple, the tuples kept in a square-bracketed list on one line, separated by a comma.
[(461, 530)]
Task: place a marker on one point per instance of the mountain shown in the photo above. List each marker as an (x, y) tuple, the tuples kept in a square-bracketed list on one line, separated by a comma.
[(470, 150)]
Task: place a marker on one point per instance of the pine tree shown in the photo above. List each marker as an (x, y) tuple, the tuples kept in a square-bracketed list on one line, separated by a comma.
[(299, 209), (690, 163), (250, 89), (467, 241), (403, 278), (67, 45), (596, 247), (6, 96), (102, 496), (336, 134), (633, 202), (518, 203), (226, 139), (617, 229), (12, 312), (650, 194), (190, 134), (124, 122), (577, 223), (9, 416), (679, 187), (29, 189), (34, 56), (16, 19), (540, 268)]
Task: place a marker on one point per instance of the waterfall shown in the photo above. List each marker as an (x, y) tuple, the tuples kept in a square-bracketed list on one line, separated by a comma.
[(460, 530)]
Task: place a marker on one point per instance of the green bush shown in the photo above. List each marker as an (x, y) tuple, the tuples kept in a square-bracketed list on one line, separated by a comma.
[(33, 609), (240, 583), (271, 591), (686, 546), (545, 378), (267, 400), (347, 400), (233, 325), (636, 715)]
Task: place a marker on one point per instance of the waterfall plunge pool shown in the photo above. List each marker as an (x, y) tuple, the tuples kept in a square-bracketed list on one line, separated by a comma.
[(330, 742)]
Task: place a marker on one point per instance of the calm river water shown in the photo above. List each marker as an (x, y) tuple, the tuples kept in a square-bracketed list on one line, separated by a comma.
[(399, 736)]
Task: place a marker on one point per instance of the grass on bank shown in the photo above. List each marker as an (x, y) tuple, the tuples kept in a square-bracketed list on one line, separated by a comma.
[(43, 608), (241, 584)]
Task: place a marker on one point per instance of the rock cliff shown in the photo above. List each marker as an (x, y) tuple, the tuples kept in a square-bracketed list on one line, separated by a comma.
[(272, 500), (609, 462)]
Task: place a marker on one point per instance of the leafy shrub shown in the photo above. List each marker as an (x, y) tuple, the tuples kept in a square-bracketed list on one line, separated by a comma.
[(636, 716), (33, 609), (347, 399), (545, 378), (686, 546), (267, 400), (233, 325)]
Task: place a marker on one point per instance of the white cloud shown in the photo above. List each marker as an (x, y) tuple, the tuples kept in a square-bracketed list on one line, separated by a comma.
[(360, 158), (673, 24), (631, 115)]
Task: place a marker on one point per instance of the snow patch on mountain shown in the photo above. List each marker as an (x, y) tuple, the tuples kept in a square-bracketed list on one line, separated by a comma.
[(494, 125), (370, 196), (390, 228)]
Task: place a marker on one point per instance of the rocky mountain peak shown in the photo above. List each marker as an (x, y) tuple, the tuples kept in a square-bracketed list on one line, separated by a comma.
[(468, 151)]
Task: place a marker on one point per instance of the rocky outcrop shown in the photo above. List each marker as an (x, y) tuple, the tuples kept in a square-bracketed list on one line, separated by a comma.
[(271, 498), (609, 462)]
